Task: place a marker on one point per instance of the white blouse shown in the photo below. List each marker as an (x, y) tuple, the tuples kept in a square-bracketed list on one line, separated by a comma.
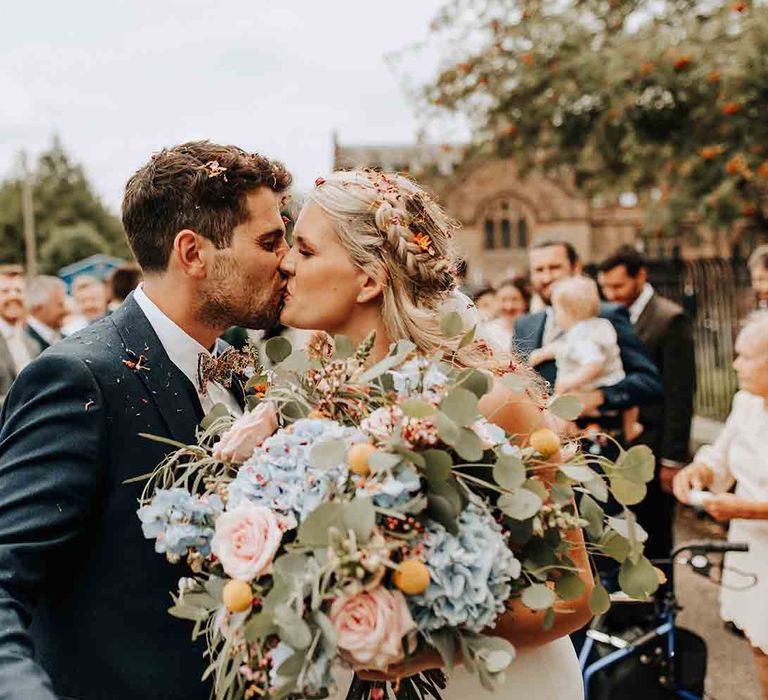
[(739, 454)]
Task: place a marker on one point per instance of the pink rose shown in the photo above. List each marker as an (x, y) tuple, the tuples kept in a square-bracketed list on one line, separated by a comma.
[(246, 434), (246, 540), (371, 625)]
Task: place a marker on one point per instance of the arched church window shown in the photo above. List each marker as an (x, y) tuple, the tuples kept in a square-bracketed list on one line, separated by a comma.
[(490, 242), (505, 226)]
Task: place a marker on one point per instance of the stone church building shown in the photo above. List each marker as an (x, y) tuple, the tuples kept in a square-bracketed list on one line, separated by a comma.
[(501, 213)]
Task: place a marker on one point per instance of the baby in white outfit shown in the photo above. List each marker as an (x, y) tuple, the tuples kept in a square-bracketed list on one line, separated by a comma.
[(587, 354)]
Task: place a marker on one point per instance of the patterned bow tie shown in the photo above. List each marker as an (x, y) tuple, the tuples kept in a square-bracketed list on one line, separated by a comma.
[(220, 369)]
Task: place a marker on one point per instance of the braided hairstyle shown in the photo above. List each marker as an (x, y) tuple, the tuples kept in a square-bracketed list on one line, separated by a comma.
[(395, 231)]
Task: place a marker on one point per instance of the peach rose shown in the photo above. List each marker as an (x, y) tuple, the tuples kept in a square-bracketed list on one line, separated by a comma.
[(246, 434), (246, 540), (371, 625)]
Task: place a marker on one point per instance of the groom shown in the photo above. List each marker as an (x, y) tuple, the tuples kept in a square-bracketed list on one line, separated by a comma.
[(83, 596)]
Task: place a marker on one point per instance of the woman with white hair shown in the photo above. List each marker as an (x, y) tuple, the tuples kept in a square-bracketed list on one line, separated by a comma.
[(740, 455)]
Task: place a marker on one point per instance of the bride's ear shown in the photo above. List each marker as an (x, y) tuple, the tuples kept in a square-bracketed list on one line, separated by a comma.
[(371, 287)]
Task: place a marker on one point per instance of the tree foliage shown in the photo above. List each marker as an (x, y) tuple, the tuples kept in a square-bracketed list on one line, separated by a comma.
[(71, 221), (667, 99)]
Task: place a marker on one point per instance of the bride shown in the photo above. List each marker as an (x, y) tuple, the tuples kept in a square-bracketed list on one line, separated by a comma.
[(372, 252)]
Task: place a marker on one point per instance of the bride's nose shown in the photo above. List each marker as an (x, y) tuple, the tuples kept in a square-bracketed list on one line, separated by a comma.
[(288, 263)]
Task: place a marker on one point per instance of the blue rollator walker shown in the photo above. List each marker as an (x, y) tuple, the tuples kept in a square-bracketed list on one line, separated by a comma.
[(635, 651)]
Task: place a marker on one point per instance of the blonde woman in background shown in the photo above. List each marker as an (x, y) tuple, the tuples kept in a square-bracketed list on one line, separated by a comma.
[(740, 455)]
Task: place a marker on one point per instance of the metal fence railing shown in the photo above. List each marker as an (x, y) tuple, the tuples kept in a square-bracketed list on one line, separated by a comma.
[(716, 294)]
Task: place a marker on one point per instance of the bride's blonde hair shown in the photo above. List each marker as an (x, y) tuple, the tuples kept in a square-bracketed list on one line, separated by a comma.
[(396, 232)]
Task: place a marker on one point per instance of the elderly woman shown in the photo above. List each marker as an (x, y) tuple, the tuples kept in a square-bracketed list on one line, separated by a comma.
[(740, 455)]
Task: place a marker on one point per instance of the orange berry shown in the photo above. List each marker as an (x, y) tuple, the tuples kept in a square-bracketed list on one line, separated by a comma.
[(714, 76), (731, 108), (545, 441), (237, 595), (358, 456), (683, 63), (412, 577)]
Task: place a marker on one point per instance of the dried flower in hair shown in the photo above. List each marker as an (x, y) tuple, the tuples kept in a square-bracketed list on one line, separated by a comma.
[(424, 242), (214, 169)]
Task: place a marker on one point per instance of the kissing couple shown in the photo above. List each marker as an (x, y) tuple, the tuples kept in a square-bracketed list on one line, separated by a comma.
[(82, 606)]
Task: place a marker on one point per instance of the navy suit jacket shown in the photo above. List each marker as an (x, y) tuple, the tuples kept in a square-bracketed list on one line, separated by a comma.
[(642, 384), (83, 595)]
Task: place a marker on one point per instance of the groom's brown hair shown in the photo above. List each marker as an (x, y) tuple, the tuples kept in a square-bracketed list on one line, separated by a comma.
[(201, 186)]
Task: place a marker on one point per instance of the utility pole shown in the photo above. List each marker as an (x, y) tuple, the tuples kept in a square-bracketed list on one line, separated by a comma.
[(28, 217)]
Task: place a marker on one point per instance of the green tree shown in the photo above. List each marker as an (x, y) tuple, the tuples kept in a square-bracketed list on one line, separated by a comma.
[(65, 205), (665, 99)]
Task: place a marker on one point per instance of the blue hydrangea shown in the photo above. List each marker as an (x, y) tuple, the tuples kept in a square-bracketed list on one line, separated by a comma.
[(178, 520), (470, 574), (417, 372), (395, 489), (279, 475)]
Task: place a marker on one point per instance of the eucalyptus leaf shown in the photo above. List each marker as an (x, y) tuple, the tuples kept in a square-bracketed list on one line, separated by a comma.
[(515, 382), (578, 472), (451, 324), (445, 643), (291, 667), (498, 661), (637, 464), (593, 514), (520, 504), (468, 445), (277, 349), (328, 454), (468, 337), (360, 517), (188, 613), (415, 458), (599, 599), (567, 407), (598, 488), (549, 619), (328, 631), (447, 430), (292, 628), (569, 586), (313, 531), (218, 411), (638, 580), (343, 347), (381, 461), (290, 567), (538, 597), (260, 626), (509, 471), (461, 406), (537, 487), (385, 365), (626, 492), (614, 546), (478, 381), (438, 465), (415, 408), (297, 362), (562, 494)]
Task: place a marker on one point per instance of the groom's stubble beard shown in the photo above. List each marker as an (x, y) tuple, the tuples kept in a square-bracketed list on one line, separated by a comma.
[(230, 299)]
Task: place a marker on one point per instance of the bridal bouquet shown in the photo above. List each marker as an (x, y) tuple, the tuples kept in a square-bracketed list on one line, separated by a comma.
[(357, 514)]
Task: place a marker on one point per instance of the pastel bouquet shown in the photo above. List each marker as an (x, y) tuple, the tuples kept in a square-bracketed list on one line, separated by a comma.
[(359, 513)]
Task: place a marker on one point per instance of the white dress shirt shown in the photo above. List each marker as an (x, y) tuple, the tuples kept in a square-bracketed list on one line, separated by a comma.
[(48, 334), (637, 307), (184, 351), (14, 339)]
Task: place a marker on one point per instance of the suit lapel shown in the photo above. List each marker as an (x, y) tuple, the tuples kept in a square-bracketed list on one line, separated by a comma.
[(170, 390), (645, 320)]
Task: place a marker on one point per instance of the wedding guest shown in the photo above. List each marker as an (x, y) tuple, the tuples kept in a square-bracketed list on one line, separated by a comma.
[(486, 302), (758, 273), (91, 299), (551, 261), (17, 349), (739, 456), (122, 282), (587, 355), (665, 330), (47, 302)]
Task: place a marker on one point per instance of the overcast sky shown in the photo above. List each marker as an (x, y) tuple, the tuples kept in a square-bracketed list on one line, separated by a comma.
[(118, 80)]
